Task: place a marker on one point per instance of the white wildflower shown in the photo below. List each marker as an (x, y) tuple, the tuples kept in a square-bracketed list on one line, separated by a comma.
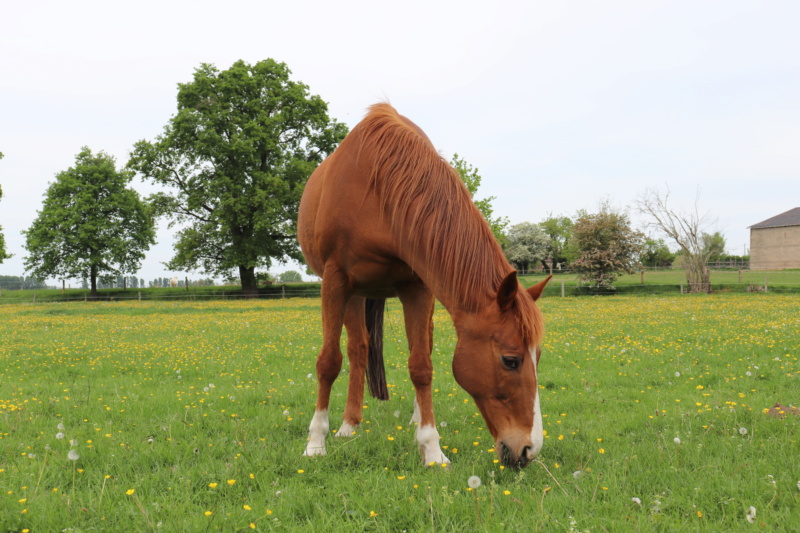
[(677, 374), (743, 431), (474, 482), (73, 443), (751, 515), (576, 474), (636, 500), (59, 435), (73, 455), (61, 426), (676, 440)]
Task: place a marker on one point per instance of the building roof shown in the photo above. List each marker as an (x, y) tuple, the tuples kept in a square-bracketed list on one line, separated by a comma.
[(789, 218)]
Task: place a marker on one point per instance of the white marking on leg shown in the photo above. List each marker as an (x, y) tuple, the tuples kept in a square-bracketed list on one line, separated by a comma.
[(317, 431), (537, 431), (428, 442), (346, 430), (416, 418)]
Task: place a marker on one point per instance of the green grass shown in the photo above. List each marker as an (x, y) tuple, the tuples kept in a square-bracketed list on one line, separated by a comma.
[(621, 378)]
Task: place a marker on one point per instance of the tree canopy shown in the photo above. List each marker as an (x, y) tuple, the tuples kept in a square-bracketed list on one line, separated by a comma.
[(3, 254), (91, 224), (234, 161), (471, 178), (607, 246)]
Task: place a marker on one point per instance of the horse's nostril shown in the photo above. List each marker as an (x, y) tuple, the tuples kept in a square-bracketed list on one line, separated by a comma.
[(527, 455)]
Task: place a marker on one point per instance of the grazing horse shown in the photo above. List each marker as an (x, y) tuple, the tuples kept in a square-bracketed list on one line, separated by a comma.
[(384, 216)]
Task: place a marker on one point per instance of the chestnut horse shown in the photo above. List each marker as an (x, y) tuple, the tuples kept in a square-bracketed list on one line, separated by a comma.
[(383, 216)]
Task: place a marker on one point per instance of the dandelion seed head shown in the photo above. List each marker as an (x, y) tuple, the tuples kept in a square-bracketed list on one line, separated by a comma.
[(59, 435), (60, 426), (677, 374), (474, 482), (676, 440), (636, 500), (73, 442), (576, 474), (742, 431), (73, 455)]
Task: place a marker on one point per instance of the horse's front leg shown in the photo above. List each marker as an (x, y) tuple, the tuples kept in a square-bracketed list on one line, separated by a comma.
[(418, 313), (329, 360)]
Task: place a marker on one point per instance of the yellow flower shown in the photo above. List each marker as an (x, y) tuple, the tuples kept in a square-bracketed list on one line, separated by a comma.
[(372, 514), (231, 482), (247, 507), (213, 485), (507, 492), (130, 492), (401, 477), (300, 471), (208, 513), (601, 450), (252, 525), (699, 514)]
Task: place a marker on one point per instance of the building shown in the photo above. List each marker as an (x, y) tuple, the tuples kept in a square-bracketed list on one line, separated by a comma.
[(775, 242)]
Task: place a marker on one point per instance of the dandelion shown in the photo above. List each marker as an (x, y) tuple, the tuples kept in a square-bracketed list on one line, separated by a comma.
[(247, 507), (61, 426), (636, 500), (742, 431), (677, 374), (373, 514), (676, 440), (231, 482), (208, 513), (59, 435), (73, 455), (507, 492), (474, 482), (73, 443), (301, 471), (576, 474), (213, 485), (130, 492), (751, 515), (601, 450)]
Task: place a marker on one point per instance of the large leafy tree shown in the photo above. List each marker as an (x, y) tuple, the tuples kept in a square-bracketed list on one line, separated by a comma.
[(527, 245), (3, 254), (607, 246), (234, 161), (91, 224), (469, 175)]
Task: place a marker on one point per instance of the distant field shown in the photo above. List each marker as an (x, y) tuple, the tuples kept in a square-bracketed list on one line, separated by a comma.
[(655, 282), (192, 416)]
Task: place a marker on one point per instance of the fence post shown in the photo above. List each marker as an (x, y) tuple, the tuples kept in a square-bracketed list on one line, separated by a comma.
[(562, 288), (140, 296), (283, 292), (34, 297), (766, 286), (681, 287)]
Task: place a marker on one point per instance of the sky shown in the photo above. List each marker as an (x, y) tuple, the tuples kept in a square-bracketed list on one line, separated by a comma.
[(559, 105)]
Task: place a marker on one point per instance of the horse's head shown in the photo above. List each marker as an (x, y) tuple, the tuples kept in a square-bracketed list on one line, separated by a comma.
[(496, 361)]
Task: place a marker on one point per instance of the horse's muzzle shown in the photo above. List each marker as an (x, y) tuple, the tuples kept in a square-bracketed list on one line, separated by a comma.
[(518, 460)]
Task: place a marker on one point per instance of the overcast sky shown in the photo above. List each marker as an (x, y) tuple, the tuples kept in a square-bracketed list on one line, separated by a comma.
[(558, 104)]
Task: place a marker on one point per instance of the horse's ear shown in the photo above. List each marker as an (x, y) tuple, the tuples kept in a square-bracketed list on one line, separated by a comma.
[(537, 290), (507, 292)]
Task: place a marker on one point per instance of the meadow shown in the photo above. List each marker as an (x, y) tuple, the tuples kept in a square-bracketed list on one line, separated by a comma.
[(193, 416)]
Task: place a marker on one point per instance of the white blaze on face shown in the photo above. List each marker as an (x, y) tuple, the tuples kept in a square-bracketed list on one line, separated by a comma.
[(537, 432)]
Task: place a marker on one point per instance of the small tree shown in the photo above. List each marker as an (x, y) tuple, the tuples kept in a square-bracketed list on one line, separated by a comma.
[(656, 253), (607, 247), (91, 224), (290, 276), (527, 245), (714, 246), (559, 230), (471, 178), (685, 229), (3, 254)]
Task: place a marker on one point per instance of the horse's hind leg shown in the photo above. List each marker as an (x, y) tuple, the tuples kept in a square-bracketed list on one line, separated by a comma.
[(357, 346), (329, 360), (418, 313)]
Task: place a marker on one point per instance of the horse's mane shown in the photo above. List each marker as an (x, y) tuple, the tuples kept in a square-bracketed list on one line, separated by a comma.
[(418, 190)]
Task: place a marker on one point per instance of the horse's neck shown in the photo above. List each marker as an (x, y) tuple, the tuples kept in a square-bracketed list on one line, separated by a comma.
[(463, 281)]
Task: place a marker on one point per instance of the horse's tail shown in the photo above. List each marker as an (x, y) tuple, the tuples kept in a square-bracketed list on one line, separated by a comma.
[(376, 372)]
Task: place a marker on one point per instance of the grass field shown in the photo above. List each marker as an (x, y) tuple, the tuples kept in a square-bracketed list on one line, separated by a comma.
[(164, 416)]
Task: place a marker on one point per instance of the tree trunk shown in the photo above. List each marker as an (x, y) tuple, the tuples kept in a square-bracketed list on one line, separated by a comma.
[(249, 283), (93, 276)]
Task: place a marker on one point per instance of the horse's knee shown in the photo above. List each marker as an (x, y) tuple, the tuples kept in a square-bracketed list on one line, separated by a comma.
[(328, 366)]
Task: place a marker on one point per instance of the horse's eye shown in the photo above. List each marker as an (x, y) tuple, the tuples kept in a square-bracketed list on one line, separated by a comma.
[(511, 362)]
